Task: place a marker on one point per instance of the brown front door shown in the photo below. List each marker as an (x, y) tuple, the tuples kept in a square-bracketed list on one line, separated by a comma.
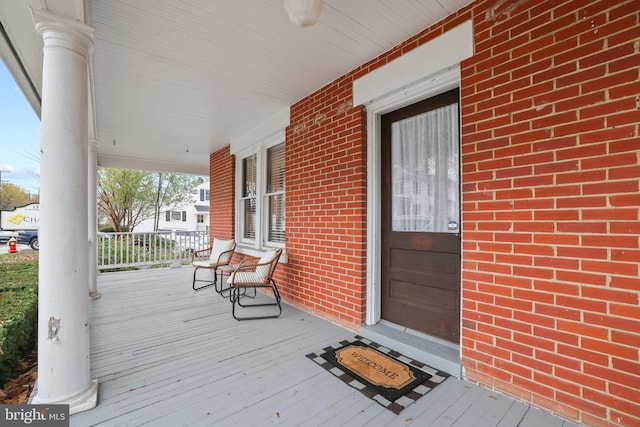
[(421, 217)]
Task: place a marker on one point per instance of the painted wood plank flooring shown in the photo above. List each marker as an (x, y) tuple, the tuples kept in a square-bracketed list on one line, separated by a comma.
[(165, 355)]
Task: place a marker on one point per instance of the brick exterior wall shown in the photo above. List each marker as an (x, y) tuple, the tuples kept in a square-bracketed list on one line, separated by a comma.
[(326, 206), (551, 223), (222, 189), (550, 141)]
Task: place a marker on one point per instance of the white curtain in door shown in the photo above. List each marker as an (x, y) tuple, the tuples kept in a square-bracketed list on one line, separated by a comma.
[(425, 172)]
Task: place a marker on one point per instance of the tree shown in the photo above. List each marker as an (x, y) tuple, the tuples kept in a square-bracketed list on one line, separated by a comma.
[(171, 190), (128, 197), (12, 196), (123, 197)]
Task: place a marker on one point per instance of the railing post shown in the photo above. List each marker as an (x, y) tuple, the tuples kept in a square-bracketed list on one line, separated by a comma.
[(127, 249)]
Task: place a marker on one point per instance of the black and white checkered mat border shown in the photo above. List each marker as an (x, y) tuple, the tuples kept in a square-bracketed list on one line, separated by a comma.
[(399, 404)]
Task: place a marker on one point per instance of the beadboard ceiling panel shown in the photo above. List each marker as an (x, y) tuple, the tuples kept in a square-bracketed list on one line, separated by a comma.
[(174, 81)]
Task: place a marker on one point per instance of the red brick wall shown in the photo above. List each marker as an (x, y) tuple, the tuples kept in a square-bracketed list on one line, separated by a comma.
[(326, 206), (222, 190), (550, 114)]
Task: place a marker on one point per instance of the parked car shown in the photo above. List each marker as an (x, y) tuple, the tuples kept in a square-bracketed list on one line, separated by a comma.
[(5, 235), (29, 237)]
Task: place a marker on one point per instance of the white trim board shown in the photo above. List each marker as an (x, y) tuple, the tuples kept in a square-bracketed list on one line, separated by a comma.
[(276, 125), (444, 51)]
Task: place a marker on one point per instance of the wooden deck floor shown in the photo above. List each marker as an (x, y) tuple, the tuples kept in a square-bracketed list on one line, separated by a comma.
[(168, 356)]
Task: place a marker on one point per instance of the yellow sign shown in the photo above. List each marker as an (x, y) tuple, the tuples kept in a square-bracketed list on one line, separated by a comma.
[(22, 218), (16, 219), (375, 367)]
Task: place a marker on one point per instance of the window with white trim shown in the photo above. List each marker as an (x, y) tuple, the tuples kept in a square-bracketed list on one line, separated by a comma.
[(261, 196), (274, 195), (176, 216), (249, 198)]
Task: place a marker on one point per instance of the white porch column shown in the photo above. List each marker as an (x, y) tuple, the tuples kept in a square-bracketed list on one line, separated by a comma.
[(63, 304), (93, 219)]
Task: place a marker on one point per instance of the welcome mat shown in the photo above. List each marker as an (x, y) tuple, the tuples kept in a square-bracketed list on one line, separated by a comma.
[(393, 380)]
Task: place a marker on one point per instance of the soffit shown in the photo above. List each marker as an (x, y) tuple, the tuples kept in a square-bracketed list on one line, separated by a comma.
[(176, 81)]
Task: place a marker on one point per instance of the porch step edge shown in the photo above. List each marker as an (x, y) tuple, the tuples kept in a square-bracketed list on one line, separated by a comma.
[(432, 351)]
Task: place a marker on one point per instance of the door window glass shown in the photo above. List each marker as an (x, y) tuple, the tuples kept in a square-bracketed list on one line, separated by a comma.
[(425, 172)]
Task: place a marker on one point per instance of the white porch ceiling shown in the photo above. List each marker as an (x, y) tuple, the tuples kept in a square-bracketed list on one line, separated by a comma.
[(174, 81)]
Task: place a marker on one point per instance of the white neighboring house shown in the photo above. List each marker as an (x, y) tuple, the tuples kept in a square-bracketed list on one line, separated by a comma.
[(188, 217)]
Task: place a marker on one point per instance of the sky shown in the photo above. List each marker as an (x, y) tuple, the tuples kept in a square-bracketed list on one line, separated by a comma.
[(19, 136)]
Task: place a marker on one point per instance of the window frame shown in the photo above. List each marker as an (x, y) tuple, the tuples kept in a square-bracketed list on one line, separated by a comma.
[(241, 199), (266, 196), (259, 149), (175, 216)]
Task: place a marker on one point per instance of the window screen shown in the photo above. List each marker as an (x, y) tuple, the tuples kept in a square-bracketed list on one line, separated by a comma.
[(248, 200), (275, 194)]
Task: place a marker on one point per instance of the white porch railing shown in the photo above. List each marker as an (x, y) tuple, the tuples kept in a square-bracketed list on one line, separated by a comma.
[(126, 250)]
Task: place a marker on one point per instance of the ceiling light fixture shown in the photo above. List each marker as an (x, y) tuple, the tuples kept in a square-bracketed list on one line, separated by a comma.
[(303, 13)]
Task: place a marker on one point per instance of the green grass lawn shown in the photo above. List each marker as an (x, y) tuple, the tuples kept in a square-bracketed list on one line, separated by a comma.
[(18, 309)]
